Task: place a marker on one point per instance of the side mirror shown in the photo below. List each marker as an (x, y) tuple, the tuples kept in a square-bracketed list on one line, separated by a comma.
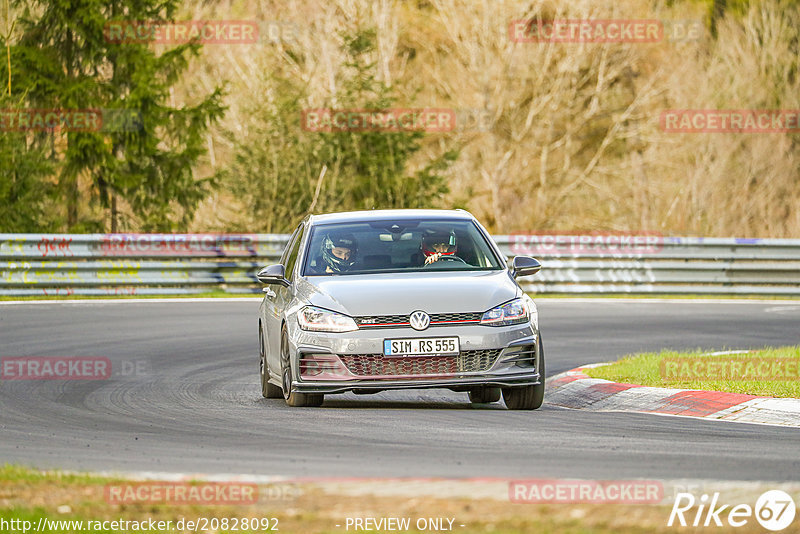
[(524, 266), (273, 274)]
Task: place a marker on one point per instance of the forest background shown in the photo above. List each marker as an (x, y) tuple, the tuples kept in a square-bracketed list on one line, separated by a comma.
[(549, 136)]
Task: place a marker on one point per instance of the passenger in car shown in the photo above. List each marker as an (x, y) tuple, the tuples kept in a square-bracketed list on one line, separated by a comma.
[(338, 254)]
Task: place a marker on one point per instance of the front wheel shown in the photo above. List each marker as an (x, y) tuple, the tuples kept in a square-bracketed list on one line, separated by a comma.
[(294, 398), (527, 397)]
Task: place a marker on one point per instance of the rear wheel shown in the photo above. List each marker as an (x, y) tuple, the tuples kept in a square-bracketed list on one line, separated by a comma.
[(528, 397), (294, 399), (270, 391), (484, 395)]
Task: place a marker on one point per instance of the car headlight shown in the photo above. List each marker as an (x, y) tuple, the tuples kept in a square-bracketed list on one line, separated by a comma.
[(532, 310), (514, 312), (321, 320)]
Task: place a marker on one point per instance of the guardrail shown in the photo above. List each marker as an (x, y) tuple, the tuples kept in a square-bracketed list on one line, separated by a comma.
[(152, 264), (134, 264)]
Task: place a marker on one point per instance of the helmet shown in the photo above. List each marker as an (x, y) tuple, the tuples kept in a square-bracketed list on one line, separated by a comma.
[(338, 240), (446, 241)]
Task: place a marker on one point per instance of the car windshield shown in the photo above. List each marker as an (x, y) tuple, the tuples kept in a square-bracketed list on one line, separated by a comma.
[(398, 246)]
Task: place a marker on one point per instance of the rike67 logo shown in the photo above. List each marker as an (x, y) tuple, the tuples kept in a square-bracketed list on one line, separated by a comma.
[(774, 510)]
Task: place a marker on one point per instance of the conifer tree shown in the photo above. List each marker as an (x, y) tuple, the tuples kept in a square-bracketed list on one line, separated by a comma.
[(146, 151)]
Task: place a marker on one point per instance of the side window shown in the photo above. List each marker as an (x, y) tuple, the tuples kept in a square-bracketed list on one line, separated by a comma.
[(289, 246), (295, 249)]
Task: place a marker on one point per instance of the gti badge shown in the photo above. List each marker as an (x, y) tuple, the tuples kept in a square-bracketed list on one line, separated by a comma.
[(419, 320)]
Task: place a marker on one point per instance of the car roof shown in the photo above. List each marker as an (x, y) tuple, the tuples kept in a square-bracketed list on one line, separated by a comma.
[(379, 215)]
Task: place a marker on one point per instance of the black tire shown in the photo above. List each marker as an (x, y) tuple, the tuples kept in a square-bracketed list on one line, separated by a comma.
[(269, 391), (527, 397), (484, 395), (293, 398)]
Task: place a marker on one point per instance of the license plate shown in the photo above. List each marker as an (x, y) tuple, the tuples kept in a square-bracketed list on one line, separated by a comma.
[(423, 346)]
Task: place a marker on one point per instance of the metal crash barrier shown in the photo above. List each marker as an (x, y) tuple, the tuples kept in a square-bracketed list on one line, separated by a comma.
[(169, 264), (134, 264)]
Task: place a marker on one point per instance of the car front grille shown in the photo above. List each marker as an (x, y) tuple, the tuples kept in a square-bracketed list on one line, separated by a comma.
[(437, 319), (468, 361)]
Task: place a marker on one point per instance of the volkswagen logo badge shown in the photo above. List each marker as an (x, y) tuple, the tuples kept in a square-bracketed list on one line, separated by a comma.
[(419, 320)]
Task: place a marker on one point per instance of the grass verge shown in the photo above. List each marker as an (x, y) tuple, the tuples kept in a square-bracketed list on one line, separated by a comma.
[(30, 495), (772, 372)]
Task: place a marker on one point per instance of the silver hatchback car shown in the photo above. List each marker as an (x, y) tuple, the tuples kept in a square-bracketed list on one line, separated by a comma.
[(398, 299)]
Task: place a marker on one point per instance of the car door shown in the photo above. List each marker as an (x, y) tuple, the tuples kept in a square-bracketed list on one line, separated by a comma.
[(279, 297)]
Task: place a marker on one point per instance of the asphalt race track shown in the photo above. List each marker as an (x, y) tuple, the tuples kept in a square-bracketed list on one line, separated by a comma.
[(184, 397)]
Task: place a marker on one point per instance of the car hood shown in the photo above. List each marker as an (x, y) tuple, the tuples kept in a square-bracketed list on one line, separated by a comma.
[(403, 293)]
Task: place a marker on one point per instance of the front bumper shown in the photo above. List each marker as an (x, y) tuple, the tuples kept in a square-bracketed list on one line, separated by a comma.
[(373, 386), (508, 369)]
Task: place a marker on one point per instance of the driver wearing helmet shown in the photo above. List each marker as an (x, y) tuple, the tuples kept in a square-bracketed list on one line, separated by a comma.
[(338, 252), (436, 244)]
